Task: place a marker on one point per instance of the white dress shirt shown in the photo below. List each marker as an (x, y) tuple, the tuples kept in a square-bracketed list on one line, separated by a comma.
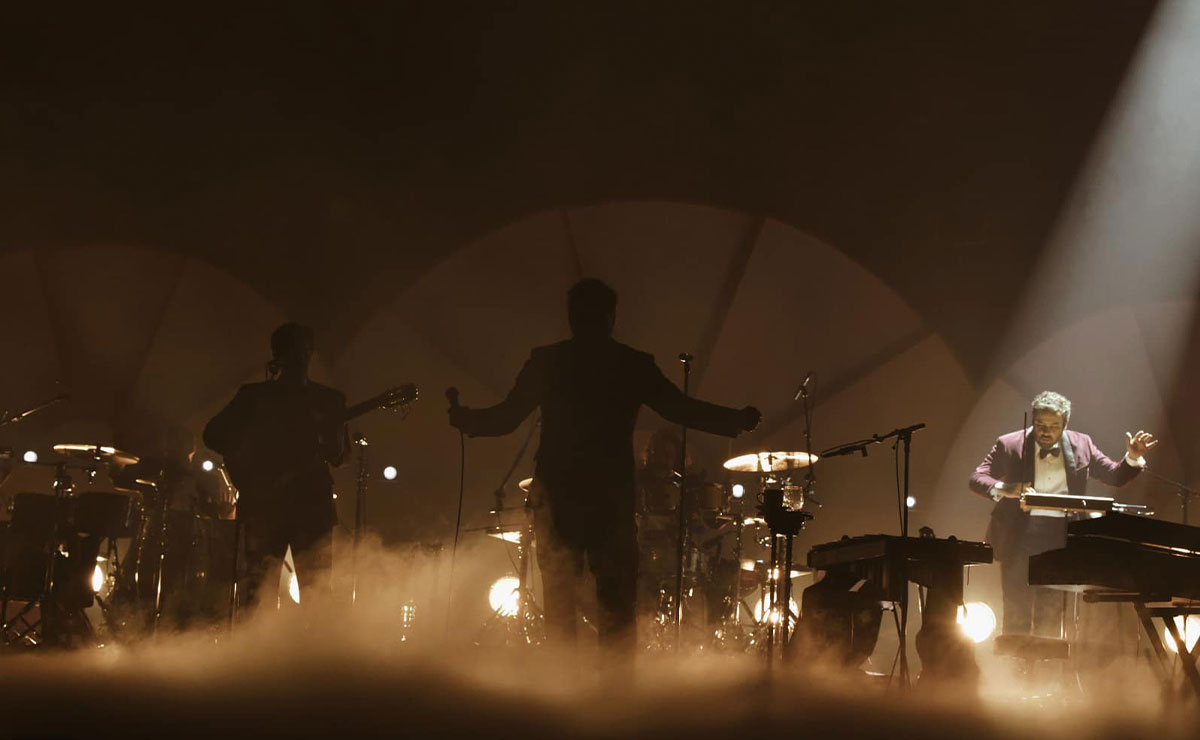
[(1049, 472)]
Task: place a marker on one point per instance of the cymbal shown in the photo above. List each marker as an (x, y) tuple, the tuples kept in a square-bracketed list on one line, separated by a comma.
[(111, 455), (525, 485), (139, 485), (513, 533), (769, 462)]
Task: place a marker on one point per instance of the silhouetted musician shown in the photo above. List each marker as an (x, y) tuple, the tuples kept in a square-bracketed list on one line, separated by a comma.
[(589, 389), (279, 438)]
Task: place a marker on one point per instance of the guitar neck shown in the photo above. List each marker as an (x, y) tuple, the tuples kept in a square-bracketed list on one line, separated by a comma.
[(358, 409), (378, 402)]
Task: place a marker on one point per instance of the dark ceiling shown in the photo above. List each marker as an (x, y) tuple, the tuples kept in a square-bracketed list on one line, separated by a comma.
[(329, 153)]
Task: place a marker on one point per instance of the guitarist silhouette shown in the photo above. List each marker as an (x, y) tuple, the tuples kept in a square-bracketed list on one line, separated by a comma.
[(279, 438)]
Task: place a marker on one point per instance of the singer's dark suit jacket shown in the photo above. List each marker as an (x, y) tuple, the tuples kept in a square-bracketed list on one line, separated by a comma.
[(1011, 462), (589, 392)]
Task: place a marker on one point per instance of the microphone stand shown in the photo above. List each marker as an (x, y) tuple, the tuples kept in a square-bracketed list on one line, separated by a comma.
[(360, 512), (810, 481), (681, 542), (5, 419), (903, 436), (1184, 491)]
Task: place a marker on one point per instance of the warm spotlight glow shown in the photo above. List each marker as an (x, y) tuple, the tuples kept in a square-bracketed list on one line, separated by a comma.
[(207, 466), (390, 472), (910, 502), (504, 597), (30, 456), (97, 578), (762, 609), (294, 587), (1189, 630), (738, 490), (976, 620)]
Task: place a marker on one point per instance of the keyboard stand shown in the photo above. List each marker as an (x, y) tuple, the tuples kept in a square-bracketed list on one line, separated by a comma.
[(1148, 609)]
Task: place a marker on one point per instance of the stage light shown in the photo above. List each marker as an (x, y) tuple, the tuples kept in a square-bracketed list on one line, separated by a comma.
[(738, 490), (976, 620), (207, 466), (1189, 630), (408, 616), (390, 472), (762, 609), (910, 502), (294, 587), (504, 597), (30, 456), (97, 578)]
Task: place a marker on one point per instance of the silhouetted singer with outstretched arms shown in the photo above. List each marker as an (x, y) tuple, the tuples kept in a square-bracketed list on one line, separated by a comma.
[(589, 389)]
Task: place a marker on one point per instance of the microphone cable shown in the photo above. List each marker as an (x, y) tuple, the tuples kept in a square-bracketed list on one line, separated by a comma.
[(452, 397), (462, 481)]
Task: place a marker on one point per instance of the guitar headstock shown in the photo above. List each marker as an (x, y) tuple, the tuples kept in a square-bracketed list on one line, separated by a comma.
[(400, 397)]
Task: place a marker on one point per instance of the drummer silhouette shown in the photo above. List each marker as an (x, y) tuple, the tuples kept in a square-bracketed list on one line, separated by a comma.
[(589, 389)]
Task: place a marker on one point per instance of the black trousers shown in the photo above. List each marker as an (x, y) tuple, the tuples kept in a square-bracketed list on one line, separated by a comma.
[(1031, 610), (266, 540), (612, 558)]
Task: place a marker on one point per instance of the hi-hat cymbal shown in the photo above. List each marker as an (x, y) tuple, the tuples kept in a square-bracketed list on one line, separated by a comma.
[(525, 485), (110, 455), (769, 462)]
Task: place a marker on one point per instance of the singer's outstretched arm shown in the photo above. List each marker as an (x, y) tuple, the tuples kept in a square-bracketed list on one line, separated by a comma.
[(504, 417), (669, 402)]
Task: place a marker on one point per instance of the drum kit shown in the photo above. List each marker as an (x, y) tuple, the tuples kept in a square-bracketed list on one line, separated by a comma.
[(731, 562), (94, 548)]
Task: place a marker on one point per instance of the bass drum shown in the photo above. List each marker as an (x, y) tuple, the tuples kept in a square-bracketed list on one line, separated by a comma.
[(211, 570)]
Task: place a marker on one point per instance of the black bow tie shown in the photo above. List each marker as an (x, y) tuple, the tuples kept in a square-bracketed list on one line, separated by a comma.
[(1043, 452)]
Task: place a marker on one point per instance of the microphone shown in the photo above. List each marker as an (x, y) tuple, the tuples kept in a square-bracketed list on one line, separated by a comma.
[(802, 391), (685, 358), (452, 396)]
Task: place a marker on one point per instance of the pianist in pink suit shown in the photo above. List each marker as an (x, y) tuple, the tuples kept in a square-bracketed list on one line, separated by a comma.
[(1046, 458)]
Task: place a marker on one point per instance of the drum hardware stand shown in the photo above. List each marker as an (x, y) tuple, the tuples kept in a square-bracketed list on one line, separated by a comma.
[(114, 567), (681, 542), (528, 613), (784, 524), (49, 609), (737, 556), (525, 541), (233, 581), (360, 512), (164, 506), (237, 542)]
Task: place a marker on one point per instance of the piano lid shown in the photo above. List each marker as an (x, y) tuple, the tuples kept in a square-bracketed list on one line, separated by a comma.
[(1139, 530)]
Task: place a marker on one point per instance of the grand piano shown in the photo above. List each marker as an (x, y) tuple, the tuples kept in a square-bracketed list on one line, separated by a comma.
[(1153, 565)]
